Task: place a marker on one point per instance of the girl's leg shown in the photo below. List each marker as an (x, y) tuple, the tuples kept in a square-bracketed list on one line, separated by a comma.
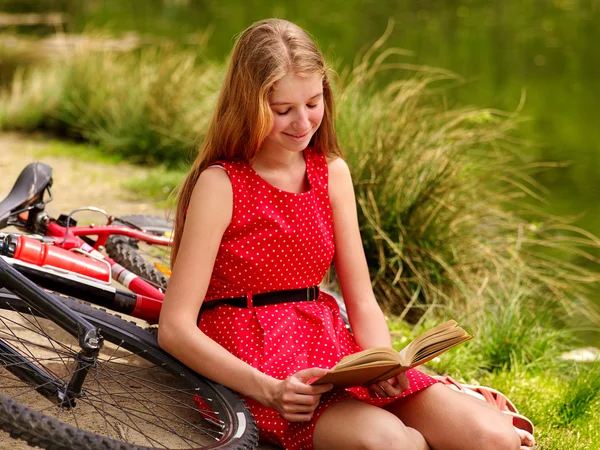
[(351, 424), (450, 420)]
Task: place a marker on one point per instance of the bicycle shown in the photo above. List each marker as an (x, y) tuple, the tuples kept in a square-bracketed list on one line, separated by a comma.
[(24, 208), (74, 376)]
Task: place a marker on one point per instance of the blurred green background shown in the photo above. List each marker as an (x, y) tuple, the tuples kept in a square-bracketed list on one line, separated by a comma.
[(544, 52), (539, 57)]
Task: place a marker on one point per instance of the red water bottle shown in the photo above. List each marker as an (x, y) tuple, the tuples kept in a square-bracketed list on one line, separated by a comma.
[(33, 251)]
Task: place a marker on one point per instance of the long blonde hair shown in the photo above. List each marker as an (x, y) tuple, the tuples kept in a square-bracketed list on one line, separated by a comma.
[(263, 54)]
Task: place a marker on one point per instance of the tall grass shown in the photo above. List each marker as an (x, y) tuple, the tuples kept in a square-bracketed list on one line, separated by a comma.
[(16, 54), (510, 336), (150, 105), (447, 209), (152, 109)]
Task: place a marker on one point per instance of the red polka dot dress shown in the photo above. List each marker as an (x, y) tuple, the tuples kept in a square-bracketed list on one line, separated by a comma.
[(278, 240)]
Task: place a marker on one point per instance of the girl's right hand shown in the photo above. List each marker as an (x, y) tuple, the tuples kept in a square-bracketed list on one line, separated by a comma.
[(296, 400)]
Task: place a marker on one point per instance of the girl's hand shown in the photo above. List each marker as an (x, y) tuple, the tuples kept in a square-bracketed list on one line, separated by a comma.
[(294, 399), (390, 388)]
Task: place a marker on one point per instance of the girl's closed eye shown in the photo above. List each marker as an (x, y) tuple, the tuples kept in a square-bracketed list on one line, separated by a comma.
[(288, 110)]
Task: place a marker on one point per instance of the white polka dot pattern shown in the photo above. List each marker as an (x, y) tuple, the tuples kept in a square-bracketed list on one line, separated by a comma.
[(276, 240), (280, 240)]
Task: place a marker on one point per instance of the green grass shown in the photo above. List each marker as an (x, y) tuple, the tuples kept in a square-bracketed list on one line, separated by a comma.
[(540, 396), (521, 357), (84, 151), (158, 184)]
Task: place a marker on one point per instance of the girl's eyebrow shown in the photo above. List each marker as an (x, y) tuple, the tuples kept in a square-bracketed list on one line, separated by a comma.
[(289, 103)]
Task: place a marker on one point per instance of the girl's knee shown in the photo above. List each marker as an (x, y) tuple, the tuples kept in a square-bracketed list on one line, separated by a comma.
[(391, 434), (391, 437), (499, 435), (353, 425), (382, 434)]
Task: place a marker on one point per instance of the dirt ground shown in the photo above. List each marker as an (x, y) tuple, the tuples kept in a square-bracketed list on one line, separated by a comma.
[(76, 183)]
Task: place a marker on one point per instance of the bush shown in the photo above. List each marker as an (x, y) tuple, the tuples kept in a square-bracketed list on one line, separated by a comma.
[(439, 192), (150, 105)]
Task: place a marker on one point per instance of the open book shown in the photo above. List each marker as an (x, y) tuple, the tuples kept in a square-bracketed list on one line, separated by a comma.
[(381, 363)]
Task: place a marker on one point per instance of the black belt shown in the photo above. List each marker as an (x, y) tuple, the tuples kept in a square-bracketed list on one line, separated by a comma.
[(268, 298)]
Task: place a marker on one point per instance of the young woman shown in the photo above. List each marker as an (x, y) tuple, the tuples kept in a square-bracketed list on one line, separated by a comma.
[(267, 206)]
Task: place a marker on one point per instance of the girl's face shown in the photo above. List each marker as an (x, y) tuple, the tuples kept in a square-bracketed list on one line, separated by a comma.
[(297, 105)]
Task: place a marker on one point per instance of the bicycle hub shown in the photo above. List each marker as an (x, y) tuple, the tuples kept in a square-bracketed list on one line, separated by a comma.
[(8, 245)]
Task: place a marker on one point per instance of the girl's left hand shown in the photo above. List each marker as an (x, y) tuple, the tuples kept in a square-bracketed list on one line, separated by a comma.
[(390, 388)]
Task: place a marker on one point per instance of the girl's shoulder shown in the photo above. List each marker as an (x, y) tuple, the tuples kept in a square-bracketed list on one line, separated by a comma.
[(214, 180), (211, 201), (337, 166), (340, 181)]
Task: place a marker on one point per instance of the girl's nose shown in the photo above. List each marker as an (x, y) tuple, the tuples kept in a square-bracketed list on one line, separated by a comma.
[(301, 122)]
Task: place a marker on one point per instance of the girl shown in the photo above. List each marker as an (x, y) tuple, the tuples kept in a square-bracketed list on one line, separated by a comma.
[(267, 206)]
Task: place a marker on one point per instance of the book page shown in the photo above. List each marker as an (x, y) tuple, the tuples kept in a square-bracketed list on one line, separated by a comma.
[(433, 342), (367, 356), (356, 376)]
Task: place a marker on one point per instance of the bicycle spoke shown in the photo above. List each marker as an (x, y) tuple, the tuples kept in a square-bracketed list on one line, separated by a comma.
[(162, 393), (154, 403), (35, 316), (125, 395), (141, 415), (49, 340), (120, 419)]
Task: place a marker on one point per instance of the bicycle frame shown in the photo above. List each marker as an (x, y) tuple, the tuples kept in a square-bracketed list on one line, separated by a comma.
[(70, 238), (88, 336), (24, 208), (101, 294)]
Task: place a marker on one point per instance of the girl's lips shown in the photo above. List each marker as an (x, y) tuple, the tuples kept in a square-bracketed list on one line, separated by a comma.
[(297, 137)]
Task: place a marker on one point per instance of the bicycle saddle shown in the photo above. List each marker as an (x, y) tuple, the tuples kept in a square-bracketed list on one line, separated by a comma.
[(30, 185)]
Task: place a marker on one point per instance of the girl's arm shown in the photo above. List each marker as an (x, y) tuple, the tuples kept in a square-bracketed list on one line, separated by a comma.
[(208, 216), (366, 318)]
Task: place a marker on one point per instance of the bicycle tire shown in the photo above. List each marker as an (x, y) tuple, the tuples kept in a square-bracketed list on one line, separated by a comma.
[(132, 347), (127, 252)]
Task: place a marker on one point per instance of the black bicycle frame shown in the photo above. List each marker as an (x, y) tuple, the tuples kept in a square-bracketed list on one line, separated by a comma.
[(87, 335)]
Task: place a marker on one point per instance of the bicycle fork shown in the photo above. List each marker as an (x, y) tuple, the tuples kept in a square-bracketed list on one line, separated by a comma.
[(89, 338)]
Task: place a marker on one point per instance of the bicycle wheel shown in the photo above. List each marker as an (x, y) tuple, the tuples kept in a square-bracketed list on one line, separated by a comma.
[(136, 397), (151, 262)]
